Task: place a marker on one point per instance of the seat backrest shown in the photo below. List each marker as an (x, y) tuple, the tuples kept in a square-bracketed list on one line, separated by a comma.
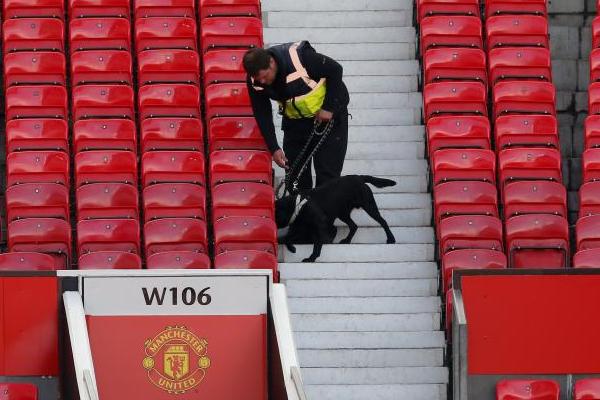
[(591, 165), (455, 98), (589, 199), (101, 66), (223, 65), (172, 167), (99, 8), (39, 34), (429, 8), (231, 32), (227, 99), (32, 9), (109, 260), (235, 133), (517, 31), (37, 167), (247, 259), (526, 131), (103, 101), (103, 166), (460, 131), (463, 165), (37, 200), (588, 233), (172, 134), (470, 232), (534, 197), (18, 391), (524, 97), (23, 261), (38, 101), (245, 233), (35, 67), (167, 200), (465, 198), (169, 100), (37, 134), (100, 34), (242, 198), (107, 200), (527, 390), (529, 164), (168, 65), (42, 235), (216, 8), (178, 260), (499, 7), (586, 259), (512, 63), (165, 33), (591, 132), (469, 259), (104, 134), (454, 64), (175, 234), (451, 31), (110, 234), (240, 166), (588, 388)]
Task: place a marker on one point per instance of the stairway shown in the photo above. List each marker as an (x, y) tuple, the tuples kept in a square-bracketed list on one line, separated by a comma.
[(366, 316)]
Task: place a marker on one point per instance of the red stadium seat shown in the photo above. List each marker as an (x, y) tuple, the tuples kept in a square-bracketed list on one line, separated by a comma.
[(428, 8), (103, 101), (178, 260), (24, 261), (455, 98), (534, 197), (37, 8), (164, 8), (455, 64), (111, 234), (99, 8), (459, 132), (169, 100), (35, 67), (592, 131), (527, 390), (595, 65), (109, 260), (104, 134), (470, 232), (463, 165), (37, 167), (100, 34), (227, 99), (42, 235), (223, 66), (518, 63), (240, 166), (526, 131), (172, 134), (18, 391), (176, 66), (469, 259), (523, 97), (451, 31), (37, 200), (226, 32), (528, 164), (103, 166), (498, 7), (165, 33), (587, 231), (591, 165), (242, 198), (172, 167), (235, 133), (37, 134), (594, 98), (517, 31), (587, 389), (537, 241), (175, 234), (40, 101), (245, 233), (101, 66), (247, 259), (589, 199), (587, 259), (464, 198), (107, 200), (37, 34), (174, 200), (596, 33), (215, 8)]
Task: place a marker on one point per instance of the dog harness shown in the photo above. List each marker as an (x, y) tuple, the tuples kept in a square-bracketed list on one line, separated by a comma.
[(300, 202)]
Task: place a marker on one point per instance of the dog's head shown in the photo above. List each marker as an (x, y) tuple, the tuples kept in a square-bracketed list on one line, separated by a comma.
[(284, 209)]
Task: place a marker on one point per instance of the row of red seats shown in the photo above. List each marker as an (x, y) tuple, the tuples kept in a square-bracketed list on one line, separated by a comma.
[(427, 8), (532, 389)]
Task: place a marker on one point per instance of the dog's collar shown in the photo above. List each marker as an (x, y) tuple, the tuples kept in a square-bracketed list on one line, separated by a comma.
[(300, 202)]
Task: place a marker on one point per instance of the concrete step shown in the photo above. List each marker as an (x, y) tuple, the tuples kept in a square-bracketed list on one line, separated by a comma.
[(372, 358), (363, 252), (366, 51), (381, 67), (403, 234), (346, 5), (398, 133), (377, 392), (365, 305), (385, 151), (374, 376), (382, 84), (361, 288), (394, 101), (379, 117), (330, 35), (336, 19), (404, 184), (395, 270), (401, 201), (366, 322), (369, 340), (398, 166)]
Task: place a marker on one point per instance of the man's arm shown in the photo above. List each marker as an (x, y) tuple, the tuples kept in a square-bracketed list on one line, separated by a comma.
[(261, 106)]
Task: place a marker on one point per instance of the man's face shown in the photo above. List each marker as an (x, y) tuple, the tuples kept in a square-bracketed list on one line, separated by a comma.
[(266, 77)]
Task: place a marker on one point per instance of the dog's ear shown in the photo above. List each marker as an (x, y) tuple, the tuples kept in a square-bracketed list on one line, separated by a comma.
[(284, 209)]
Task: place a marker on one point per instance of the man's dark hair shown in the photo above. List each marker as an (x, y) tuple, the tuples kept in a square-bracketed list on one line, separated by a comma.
[(256, 60)]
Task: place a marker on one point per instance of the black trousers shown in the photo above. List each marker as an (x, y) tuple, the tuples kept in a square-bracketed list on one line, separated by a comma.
[(328, 160)]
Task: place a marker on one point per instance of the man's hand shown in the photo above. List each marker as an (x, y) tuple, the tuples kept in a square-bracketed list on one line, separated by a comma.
[(323, 116), (280, 159)]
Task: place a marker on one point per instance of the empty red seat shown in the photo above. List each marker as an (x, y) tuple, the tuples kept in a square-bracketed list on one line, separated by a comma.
[(469, 259), (34, 67), (107, 200), (534, 197), (171, 134), (37, 8), (592, 131), (512, 63), (172, 167), (454, 64), (223, 65), (587, 389), (529, 164), (245, 233), (498, 7), (38, 34), (100, 34), (175, 234), (101, 66), (39, 101), (103, 166), (111, 234), (451, 31), (428, 8), (37, 134), (24, 261), (169, 100), (240, 166), (164, 8), (231, 32), (465, 198), (595, 65), (109, 260), (215, 8), (166, 65), (178, 260), (235, 133), (527, 390), (99, 8), (42, 235), (587, 259), (526, 131), (461, 131), (103, 101), (165, 33), (463, 165), (242, 198), (517, 31), (587, 231), (37, 167), (470, 232), (456, 98), (523, 97), (594, 98), (37, 200), (227, 99), (18, 391), (169, 200), (591, 165), (537, 241), (596, 33), (104, 134), (247, 259), (589, 199)]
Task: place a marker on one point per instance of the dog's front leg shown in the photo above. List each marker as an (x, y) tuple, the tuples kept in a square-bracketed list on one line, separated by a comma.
[(320, 236), (316, 253)]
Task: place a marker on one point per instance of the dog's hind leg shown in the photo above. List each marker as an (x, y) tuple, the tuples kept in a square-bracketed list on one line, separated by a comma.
[(370, 206), (353, 227)]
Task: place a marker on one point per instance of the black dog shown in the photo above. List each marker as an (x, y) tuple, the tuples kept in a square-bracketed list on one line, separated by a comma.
[(310, 216)]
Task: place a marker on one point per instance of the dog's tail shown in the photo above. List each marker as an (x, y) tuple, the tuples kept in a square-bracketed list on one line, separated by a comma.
[(377, 182)]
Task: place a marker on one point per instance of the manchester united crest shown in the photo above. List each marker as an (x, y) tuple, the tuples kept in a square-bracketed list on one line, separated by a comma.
[(176, 359)]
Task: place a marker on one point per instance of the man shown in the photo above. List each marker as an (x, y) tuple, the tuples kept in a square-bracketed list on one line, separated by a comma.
[(309, 88)]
